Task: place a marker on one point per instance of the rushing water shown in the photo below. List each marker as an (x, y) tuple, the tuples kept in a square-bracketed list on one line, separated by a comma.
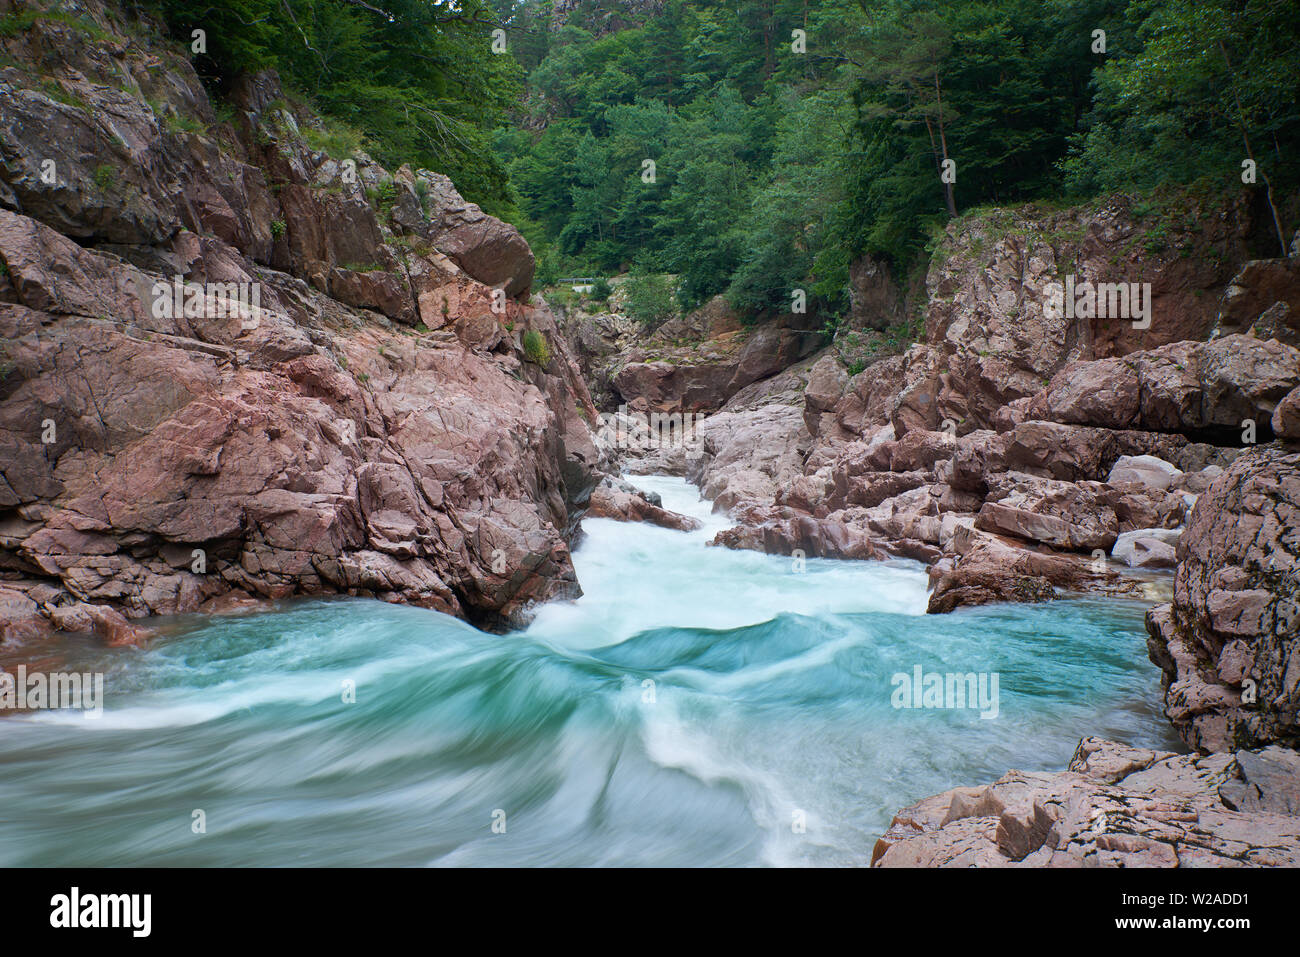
[(688, 710)]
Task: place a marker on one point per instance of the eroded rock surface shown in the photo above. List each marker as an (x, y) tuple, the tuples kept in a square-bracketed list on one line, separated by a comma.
[(1229, 642), (1115, 806), (344, 407)]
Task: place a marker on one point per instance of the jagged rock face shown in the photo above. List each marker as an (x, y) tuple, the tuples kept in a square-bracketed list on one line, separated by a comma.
[(1264, 298), (1116, 806), (700, 362), (746, 458), (88, 156), (125, 148), (1186, 387), (297, 456), (707, 385), (491, 251), (994, 329), (875, 301), (155, 461), (1229, 643)]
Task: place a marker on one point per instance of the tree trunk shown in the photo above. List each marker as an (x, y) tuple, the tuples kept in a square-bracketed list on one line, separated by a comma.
[(1245, 137), (948, 196)]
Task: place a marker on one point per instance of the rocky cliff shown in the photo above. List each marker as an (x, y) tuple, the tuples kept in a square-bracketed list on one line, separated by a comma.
[(237, 366), (1023, 447), (1229, 641)]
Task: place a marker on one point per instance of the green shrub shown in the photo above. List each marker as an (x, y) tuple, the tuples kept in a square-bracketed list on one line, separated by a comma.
[(225, 113), (56, 92), (1156, 239), (600, 290), (422, 193), (335, 139), (649, 298), (535, 347), (561, 297), (383, 196), (14, 23)]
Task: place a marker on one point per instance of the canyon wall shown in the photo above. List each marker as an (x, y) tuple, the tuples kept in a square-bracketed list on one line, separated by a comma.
[(238, 367)]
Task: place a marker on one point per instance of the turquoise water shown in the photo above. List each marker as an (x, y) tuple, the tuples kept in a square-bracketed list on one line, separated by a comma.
[(689, 710)]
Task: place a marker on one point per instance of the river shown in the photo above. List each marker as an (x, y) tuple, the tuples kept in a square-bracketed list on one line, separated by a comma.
[(698, 706)]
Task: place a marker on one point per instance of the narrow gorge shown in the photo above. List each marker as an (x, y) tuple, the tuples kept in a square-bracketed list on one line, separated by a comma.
[(374, 530)]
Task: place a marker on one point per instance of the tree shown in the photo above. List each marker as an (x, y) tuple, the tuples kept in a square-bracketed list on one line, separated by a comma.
[(904, 70), (1211, 81)]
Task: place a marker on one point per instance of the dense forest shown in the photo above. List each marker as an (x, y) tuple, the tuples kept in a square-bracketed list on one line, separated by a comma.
[(754, 146)]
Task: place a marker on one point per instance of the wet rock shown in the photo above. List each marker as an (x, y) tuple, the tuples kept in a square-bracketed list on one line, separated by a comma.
[(797, 532), (985, 585), (623, 503)]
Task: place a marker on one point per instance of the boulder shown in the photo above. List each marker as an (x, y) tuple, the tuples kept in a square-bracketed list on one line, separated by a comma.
[(748, 457), (1147, 548), (624, 503), (1060, 514), (491, 251), (794, 532), (1146, 470), (1185, 387), (826, 383), (667, 387), (1286, 417)]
